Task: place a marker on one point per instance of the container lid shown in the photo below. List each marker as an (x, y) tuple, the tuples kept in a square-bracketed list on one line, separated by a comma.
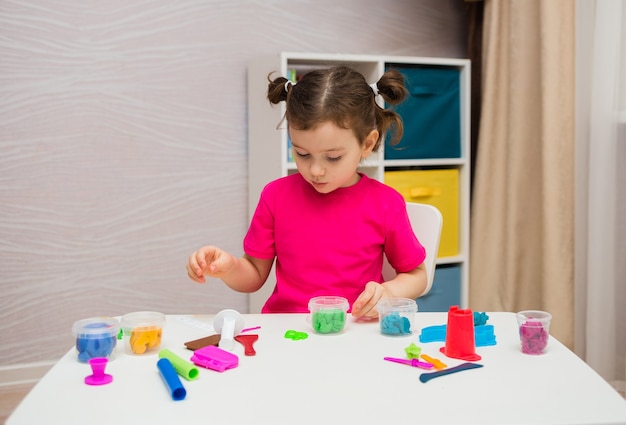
[(142, 319), (401, 305), (96, 327), (328, 302)]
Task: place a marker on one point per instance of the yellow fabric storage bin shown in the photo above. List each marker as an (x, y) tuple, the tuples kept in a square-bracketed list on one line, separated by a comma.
[(439, 188)]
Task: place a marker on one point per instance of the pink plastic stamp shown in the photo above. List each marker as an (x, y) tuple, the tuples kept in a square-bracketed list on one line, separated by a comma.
[(98, 364)]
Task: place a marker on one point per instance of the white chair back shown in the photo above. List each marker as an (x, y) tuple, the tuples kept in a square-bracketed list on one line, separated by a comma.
[(426, 221)]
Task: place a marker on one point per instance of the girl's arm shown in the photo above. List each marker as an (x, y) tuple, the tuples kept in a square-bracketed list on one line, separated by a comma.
[(405, 285), (249, 275), (245, 274), (408, 285)]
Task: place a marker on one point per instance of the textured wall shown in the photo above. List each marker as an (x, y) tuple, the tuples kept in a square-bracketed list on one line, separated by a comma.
[(123, 143)]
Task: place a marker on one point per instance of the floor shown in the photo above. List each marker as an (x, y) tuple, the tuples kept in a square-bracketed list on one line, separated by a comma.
[(10, 397)]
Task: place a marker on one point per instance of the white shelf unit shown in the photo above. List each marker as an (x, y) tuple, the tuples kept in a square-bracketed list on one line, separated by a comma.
[(268, 153)]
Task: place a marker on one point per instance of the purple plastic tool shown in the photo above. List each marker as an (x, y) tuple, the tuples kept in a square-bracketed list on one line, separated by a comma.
[(97, 367), (410, 362)]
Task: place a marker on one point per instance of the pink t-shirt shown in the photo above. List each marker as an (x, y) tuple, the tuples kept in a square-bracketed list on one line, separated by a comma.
[(329, 244)]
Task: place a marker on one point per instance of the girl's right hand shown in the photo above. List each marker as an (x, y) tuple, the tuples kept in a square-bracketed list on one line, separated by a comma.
[(209, 261)]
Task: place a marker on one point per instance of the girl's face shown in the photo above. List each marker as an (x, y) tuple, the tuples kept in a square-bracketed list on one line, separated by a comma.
[(328, 156)]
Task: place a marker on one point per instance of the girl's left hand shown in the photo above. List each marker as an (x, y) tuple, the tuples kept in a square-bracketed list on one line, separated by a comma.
[(365, 305)]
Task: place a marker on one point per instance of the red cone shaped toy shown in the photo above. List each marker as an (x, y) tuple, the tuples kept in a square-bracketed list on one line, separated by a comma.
[(460, 342)]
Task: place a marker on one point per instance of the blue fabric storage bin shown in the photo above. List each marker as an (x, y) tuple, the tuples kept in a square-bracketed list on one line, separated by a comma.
[(431, 114), (445, 292)]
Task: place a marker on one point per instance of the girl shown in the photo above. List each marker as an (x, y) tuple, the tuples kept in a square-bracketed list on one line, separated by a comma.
[(328, 226)]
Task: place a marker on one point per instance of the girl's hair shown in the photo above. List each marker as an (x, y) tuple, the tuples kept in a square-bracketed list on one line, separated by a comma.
[(342, 96)]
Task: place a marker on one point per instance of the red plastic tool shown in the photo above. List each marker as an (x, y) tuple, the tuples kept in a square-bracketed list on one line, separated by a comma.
[(247, 341)]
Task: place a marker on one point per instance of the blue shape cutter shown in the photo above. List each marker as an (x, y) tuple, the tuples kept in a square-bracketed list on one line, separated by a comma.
[(483, 335)]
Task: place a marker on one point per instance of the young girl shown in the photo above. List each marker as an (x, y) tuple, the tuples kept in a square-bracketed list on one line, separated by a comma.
[(327, 226)]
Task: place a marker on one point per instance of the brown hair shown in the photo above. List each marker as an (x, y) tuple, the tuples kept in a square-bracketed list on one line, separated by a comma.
[(342, 96)]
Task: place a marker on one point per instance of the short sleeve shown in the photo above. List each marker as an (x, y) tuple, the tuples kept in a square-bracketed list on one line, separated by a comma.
[(259, 240), (402, 248)]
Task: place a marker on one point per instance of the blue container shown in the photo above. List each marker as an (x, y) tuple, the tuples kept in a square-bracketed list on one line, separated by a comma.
[(431, 114), (95, 337)]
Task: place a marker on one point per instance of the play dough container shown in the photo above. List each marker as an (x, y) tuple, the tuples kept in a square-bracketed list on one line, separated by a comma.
[(397, 316), (534, 330), (95, 337), (142, 331), (328, 314)]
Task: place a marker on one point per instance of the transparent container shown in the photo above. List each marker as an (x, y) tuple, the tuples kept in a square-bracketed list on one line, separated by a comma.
[(95, 337), (328, 314), (534, 330), (397, 316), (142, 331)]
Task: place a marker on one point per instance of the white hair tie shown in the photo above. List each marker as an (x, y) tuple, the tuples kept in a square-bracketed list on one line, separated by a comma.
[(374, 87), (287, 84)]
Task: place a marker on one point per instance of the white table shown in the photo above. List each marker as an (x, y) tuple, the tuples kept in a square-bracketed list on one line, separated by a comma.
[(330, 379)]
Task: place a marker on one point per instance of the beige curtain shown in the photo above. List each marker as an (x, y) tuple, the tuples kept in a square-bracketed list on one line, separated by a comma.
[(522, 234)]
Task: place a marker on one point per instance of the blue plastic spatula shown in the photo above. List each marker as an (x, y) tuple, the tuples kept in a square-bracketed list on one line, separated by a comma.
[(425, 377)]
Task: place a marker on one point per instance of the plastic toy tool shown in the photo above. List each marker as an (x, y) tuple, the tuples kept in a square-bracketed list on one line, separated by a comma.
[(425, 377), (214, 358), (247, 341), (171, 379), (184, 368), (460, 342), (483, 334), (228, 323), (437, 364), (203, 342), (410, 362), (98, 364)]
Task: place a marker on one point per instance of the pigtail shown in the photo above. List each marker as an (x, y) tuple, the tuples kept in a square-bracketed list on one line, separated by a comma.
[(277, 89), (392, 89)]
